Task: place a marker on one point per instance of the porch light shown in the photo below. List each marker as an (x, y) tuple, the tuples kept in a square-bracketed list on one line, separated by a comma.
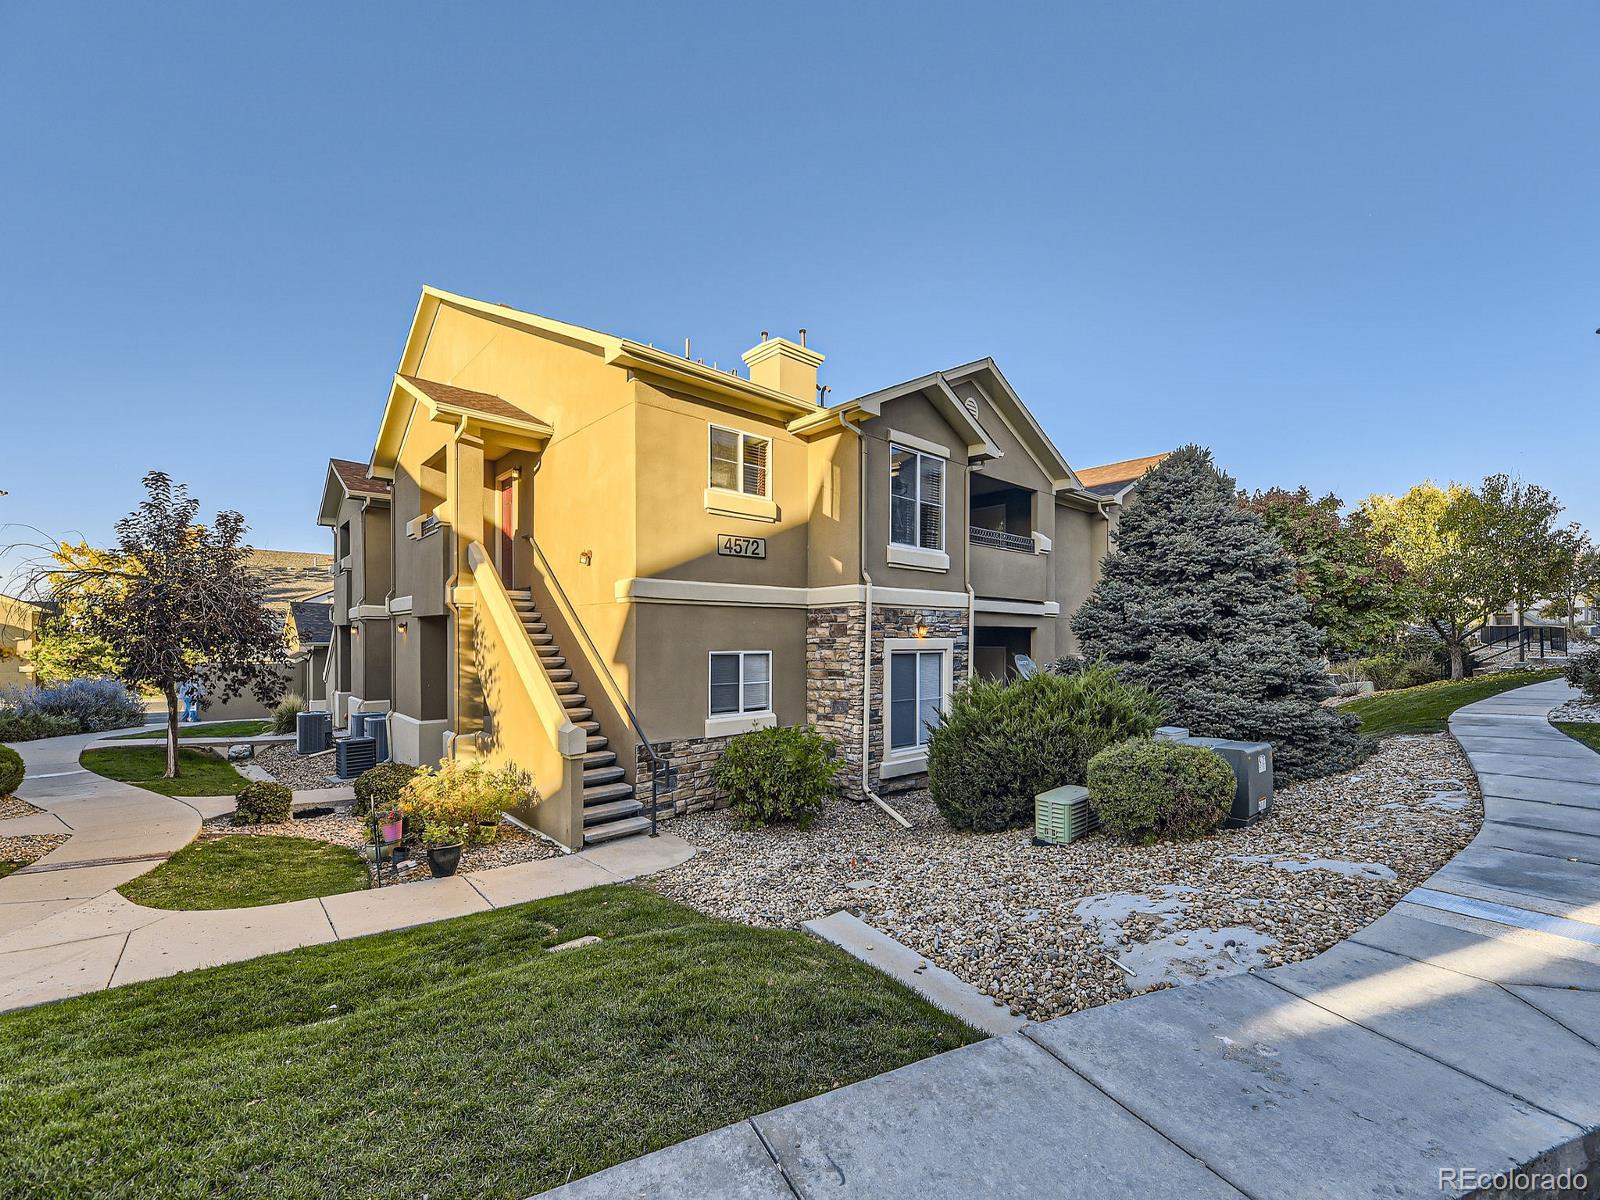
[(585, 557), (922, 627)]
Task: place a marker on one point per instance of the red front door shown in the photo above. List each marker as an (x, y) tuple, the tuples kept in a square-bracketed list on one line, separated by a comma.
[(507, 528)]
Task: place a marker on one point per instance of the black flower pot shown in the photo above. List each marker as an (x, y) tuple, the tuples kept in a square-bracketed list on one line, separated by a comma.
[(443, 860)]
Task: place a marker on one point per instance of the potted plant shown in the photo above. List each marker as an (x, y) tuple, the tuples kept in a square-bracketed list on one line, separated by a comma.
[(391, 825), (444, 843)]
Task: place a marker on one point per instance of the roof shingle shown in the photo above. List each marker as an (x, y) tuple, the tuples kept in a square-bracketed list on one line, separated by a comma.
[(456, 397), (1113, 477), (313, 622), (356, 480)]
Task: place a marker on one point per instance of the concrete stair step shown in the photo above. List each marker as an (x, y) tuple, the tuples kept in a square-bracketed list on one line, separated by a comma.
[(606, 792), (600, 814), (565, 687), (574, 698), (560, 675), (553, 661), (533, 626), (579, 716), (541, 639), (588, 726), (597, 741), (612, 830), (599, 758), (597, 776)]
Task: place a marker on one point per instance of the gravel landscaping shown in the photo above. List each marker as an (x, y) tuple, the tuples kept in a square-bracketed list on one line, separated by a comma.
[(1050, 930), (302, 772), (26, 848), (16, 806), (511, 845), (1577, 712)]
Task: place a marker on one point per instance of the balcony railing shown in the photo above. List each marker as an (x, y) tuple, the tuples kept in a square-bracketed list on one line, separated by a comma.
[(1000, 540)]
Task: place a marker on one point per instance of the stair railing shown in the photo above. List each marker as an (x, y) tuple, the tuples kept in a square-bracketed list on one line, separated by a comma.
[(661, 771)]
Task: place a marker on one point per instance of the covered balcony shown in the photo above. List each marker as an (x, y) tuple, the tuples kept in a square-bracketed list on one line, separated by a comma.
[(1009, 559)]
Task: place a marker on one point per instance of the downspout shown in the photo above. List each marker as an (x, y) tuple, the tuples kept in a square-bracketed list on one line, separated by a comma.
[(453, 651), (866, 645)]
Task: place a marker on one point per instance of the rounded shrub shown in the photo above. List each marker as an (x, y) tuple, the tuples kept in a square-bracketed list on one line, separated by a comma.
[(1145, 791), (10, 771), (1001, 744), (33, 725), (263, 803), (1583, 672), (380, 787), (778, 774)]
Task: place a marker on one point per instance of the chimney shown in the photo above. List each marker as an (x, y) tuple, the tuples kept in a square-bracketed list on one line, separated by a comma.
[(785, 366)]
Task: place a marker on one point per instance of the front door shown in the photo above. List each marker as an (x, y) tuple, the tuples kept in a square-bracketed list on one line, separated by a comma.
[(508, 525)]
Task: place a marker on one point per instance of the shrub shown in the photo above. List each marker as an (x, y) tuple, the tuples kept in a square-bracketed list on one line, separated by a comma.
[(263, 803), (1583, 671), (380, 788), (779, 774), (283, 716), (1144, 790), (95, 704), (10, 771), (30, 726), (456, 802), (1393, 669), (1002, 744)]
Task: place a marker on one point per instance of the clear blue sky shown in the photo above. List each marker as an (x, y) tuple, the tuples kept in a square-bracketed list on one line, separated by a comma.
[(1349, 246)]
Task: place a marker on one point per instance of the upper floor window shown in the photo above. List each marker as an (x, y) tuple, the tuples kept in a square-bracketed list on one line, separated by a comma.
[(741, 682), (916, 499), (739, 462)]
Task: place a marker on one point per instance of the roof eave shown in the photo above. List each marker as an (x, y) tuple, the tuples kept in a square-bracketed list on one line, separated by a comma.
[(730, 388)]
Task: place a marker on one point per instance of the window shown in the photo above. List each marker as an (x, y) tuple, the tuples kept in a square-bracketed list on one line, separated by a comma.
[(739, 461), (741, 682), (916, 696), (916, 499)]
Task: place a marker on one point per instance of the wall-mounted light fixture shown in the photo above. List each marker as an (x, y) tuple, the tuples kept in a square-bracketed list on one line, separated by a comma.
[(922, 627), (585, 557), (405, 628)]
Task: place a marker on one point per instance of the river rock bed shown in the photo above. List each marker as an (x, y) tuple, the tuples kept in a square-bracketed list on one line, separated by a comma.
[(1004, 915), (25, 848), (16, 806)]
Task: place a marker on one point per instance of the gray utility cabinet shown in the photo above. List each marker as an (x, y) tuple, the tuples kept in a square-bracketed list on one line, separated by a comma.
[(1252, 773)]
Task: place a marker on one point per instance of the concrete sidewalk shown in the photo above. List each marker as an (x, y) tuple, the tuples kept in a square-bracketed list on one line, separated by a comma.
[(65, 930), (1460, 1032)]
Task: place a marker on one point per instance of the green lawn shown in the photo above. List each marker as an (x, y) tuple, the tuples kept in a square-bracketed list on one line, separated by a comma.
[(6, 867), (242, 871), (455, 1059), (199, 774), (220, 729), (1425, 709), (1587, 733)]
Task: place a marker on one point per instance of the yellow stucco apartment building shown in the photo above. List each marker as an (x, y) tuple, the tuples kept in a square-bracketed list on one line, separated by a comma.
[(601, 560)]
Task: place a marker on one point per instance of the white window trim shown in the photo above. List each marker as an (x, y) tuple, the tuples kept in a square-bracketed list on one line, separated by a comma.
[(908, 554), (738, 491), (912, 761), (745, 719), (911, 441)]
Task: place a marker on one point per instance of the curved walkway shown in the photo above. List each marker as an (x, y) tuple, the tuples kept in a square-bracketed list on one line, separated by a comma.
[(65, 930), (1458, 1033)]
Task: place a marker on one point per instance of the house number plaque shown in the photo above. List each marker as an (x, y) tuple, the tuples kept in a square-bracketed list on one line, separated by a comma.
[(731, 545)]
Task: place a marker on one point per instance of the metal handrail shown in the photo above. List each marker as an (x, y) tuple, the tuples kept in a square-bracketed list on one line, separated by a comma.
[(1000, 539), (656, 761)]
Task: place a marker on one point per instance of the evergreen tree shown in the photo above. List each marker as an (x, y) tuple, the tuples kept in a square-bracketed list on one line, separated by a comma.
[(1198, 604)]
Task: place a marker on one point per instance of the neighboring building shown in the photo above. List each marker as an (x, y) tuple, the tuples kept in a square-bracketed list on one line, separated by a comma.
[(1115, 484), (593, 558), (356, 507), (19, 626), (290, 575), (309, 630)]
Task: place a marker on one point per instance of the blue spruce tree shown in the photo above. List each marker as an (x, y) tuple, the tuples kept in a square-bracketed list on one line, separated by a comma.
[(1198, 604)]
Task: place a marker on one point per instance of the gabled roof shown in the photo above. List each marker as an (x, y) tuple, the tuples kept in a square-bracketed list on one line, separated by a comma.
[(1113, 479), (986, 375), (934, 386), (354, 479), (348, 479), (313, 622)]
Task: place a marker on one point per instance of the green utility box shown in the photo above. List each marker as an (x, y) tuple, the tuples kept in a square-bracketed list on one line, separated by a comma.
[(1062, 815)]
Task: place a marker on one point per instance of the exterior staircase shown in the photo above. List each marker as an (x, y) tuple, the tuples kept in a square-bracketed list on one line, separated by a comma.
[(610, 809)]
